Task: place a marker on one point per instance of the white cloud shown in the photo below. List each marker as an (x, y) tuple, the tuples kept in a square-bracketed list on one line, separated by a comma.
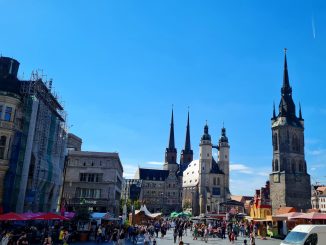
[(240, 168), (263, 174), (129, 171), (317, 152), (313, 169)]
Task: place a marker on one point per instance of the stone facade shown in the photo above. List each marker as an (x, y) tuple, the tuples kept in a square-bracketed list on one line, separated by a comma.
[(74, 142), (289, 180), (205, 182), (93, 179), (187, 185), (10, 117), (33, 119)]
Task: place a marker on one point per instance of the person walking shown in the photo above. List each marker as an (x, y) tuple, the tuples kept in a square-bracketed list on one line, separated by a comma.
[(121, 237), (175, 234), (252, 239)]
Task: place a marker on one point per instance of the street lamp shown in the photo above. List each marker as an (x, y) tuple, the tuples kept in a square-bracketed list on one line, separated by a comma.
[(162, 195)]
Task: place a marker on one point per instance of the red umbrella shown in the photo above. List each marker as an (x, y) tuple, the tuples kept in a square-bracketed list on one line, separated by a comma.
[(50, 216), (12, 216)]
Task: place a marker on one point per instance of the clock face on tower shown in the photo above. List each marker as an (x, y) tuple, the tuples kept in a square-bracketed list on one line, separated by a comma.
[(276, 178)]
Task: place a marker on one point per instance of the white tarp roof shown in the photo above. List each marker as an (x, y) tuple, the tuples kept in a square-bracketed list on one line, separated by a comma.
[(146, 212)]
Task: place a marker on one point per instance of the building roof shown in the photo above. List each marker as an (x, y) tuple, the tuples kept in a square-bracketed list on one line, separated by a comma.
[(153, 174), (191, 174), (237, 198), (322, 189), (215, 168), (285, 210)]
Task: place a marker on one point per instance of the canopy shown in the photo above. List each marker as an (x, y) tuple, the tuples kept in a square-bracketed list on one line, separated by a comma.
[(187, 214), (50, 216), (12, 217), (286, 216), (312, 216), (147, 213)]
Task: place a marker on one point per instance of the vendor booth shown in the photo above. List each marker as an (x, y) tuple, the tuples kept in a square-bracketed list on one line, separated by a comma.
[(142, 216)]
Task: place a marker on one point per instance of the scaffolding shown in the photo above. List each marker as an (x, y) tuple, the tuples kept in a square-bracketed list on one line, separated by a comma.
[(48, 145)]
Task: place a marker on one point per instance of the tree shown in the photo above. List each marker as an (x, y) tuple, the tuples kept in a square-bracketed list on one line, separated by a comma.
[(186, 205), (129, 205)]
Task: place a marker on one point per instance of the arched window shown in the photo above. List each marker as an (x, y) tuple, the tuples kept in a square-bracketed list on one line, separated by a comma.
[(300, 167), (293, 169), (276, 168), (275, 143), (295, 143), (3, 141)]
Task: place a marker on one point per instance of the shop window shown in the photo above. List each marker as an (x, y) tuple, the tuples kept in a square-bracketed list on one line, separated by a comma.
[(8, 113), (3, 141)]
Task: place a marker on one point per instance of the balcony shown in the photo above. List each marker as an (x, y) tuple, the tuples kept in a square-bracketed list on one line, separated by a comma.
[(8, 125)]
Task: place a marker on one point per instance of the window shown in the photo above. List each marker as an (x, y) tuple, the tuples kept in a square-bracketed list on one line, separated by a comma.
[(1, 108), (88, 193), (91, 177), (312, 239), (293, 166), (82, 177), (214, 181), (275, 143), (3, 141), (216, 191), (8, 113), (218, 181), (276, 168)]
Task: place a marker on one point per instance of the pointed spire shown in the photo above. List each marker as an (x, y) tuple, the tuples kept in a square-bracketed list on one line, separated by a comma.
[(274, 113), (171, 138), (206, 135), (187, 143), (300, 112), (286, 89), (223, 137)]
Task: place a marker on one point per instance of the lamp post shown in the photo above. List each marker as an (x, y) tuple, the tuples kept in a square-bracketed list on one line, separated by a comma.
[(162, 206)]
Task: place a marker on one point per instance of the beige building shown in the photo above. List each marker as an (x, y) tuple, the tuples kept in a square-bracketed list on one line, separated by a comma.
[(92, 179), (205, 181), (10, 115)]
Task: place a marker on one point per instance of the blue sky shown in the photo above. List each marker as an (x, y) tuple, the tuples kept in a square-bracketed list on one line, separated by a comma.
[(118, 66)]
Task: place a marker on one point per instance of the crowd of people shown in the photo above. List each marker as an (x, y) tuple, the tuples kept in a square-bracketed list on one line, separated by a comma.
[(149, 232)]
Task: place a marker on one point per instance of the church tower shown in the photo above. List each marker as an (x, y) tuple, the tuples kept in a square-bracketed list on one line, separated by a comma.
[(289, 180), (224, 160), (170, 162), (205, 165), (186, 153)]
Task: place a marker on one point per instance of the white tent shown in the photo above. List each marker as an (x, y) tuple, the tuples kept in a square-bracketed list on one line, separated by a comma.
[(147, 213)]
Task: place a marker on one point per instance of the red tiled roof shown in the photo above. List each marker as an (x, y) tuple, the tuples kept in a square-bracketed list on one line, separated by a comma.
[(284, 210)]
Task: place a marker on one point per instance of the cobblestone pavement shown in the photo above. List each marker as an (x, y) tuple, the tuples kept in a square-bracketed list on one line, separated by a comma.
[(168, 240)]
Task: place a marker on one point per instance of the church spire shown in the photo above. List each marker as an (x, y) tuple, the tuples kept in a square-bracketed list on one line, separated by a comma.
[(274, 113), (171, 138), (187, 154), (286, 107), (286, 88), (300, 112), (187, 143), (171, 151)]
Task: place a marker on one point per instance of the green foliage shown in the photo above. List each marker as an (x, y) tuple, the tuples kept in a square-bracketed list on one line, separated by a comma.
[(137, 205), (186, 205)]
